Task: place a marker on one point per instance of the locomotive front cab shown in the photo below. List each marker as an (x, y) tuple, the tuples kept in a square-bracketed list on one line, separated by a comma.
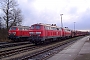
[(36, 33), (13, 33), (19, 33)]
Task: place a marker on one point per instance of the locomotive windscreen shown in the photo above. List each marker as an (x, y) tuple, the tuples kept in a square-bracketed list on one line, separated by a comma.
[(35, 27), (13, 28)]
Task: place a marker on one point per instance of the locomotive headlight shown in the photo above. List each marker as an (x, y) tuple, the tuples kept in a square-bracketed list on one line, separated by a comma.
[(9, 32), (31, 32), (14, 33), (35, 33), (38, 32)]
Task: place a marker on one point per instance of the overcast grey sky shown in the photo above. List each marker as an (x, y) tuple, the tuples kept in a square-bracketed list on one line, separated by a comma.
[(48, 11)]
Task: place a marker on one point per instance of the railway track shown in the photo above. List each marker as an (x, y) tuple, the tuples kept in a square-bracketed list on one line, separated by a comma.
[(31, 52), (49, 51), (3, 43), (16, 50), (44, 55), (6, 45)]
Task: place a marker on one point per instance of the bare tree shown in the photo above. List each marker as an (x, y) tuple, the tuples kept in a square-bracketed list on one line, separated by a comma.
[(12, 14), (16, 16), (0, 23)]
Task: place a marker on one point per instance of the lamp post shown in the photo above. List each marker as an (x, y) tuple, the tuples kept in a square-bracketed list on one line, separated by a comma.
[(61, 25), (61, 21), (74, 26)]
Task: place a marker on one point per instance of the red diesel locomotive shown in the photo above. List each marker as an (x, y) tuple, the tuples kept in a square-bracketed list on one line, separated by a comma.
[(40, 33), (17, 33)]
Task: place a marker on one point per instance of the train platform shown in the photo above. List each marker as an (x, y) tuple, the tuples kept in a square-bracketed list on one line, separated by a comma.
[(79, 50)]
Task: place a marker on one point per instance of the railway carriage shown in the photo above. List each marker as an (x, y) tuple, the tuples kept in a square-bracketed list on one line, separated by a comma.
[(18, 33), (66, 32)]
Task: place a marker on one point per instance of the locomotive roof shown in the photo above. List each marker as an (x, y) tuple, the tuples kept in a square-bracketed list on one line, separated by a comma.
[(21, 26), (52, 25)]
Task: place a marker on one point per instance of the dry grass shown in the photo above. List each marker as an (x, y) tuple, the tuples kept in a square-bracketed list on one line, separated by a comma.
[(3, 35), (4, 40)]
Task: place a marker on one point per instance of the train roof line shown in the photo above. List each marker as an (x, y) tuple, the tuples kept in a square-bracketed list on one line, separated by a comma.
[(20, 26)]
